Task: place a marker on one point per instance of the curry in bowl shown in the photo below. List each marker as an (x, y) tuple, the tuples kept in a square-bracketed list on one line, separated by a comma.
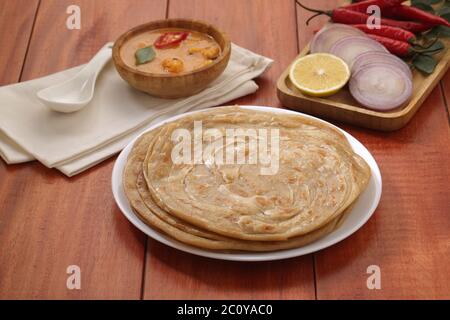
[(170, 51), (172, 58)]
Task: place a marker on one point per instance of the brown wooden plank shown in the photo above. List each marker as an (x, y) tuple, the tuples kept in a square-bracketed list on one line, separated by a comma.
[(269, 29), (445, 85), (408, 235), (49, 222), (16, 22)]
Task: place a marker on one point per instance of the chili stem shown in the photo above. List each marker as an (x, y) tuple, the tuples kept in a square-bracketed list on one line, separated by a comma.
[(429, 45), (310, 9), (312, 17)]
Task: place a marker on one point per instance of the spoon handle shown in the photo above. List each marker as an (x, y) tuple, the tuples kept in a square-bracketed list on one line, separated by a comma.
[(97, 63)]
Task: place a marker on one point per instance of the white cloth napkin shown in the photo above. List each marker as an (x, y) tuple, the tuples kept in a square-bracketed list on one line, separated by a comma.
[(74, 142)]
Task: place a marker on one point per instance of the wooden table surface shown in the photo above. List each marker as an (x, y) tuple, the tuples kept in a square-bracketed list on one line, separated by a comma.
[(48, 221)]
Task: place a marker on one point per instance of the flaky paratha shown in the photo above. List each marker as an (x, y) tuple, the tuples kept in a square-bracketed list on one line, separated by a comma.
[(145, 208), (319, 176)]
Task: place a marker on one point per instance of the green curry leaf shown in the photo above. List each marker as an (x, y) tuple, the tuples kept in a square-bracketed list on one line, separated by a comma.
[(145, 55), (443, 11), (423, 6), (429, 2), (425, 63), (436, 47), (441, 31)]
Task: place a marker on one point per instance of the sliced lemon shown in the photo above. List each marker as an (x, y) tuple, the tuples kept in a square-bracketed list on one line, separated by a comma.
[(319, 74)]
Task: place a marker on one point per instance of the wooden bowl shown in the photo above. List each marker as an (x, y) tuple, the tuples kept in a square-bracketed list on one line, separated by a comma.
[(173, 86)]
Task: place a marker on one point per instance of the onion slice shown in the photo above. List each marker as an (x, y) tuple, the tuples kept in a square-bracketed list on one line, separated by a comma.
[(326, 37), (349, 48), (378, 57), (381, 86)]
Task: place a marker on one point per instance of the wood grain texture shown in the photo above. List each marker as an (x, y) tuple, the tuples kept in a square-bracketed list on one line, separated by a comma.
[(408, 236), (47, 221), (445, 86), (16, 22), (101, 21), (269, 30), (259, 26)]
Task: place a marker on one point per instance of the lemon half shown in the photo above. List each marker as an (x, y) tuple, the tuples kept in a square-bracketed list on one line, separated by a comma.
[(319, 74)]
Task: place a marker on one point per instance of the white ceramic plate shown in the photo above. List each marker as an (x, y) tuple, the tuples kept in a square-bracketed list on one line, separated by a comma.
[(360, 213)]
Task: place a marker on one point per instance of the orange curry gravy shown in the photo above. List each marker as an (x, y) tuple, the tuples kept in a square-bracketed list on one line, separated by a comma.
[(196, 51)]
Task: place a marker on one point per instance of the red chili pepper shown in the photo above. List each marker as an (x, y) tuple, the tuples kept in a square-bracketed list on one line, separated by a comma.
[(352, 17), (345, 16), (402, 48), (388, 32), (169, 39), (412, 13), (363, 5), (397, 47)]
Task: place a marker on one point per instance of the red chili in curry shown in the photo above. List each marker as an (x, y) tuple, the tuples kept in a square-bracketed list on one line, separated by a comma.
[(170, 39)]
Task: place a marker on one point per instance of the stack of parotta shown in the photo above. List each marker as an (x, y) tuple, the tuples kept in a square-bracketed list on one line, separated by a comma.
[(294, 197)]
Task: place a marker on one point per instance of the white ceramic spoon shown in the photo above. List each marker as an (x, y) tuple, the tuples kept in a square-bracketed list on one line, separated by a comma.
[(74, 93)]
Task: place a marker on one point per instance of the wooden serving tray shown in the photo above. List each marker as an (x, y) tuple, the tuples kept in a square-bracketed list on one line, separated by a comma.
[(342, 107)]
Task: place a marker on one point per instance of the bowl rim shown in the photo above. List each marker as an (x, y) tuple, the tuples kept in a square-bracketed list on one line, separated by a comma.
[(140, 28)]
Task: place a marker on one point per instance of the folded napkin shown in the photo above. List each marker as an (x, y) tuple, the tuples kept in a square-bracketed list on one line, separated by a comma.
[(118, 113)]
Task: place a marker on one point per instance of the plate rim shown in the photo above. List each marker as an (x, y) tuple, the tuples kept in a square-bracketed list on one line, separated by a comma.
[(117, 187)]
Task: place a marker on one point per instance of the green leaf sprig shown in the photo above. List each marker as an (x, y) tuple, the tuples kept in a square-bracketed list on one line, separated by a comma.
[(145, 55), (425, 62)]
